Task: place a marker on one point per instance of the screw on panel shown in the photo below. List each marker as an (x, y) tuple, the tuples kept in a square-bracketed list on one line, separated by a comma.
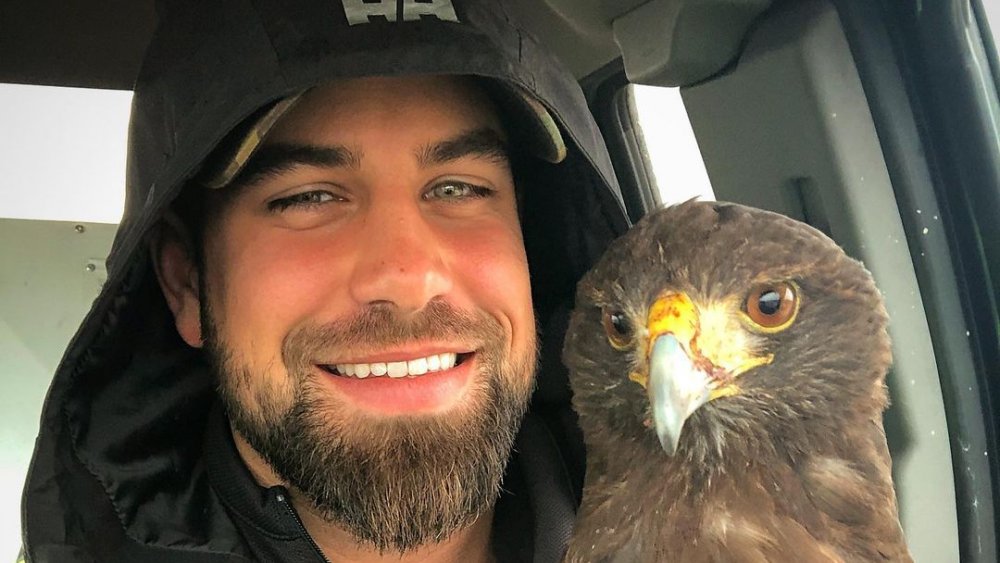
[(97, 267), (80, 229)]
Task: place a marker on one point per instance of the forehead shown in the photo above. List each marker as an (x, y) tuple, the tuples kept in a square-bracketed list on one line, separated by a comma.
[(384, 104)]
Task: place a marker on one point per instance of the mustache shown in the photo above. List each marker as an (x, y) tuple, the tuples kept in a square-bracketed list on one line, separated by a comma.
[(381, 325)]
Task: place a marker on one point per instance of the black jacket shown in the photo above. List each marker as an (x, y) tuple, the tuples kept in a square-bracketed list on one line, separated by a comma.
[(131, 464)]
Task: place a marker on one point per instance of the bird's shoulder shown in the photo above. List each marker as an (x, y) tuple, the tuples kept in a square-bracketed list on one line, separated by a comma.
[(852, 491)]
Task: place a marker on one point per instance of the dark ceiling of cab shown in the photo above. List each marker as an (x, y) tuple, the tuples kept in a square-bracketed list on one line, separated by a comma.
[(99, 43)]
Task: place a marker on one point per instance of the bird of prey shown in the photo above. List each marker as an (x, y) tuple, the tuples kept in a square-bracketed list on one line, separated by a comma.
[(728, 368)]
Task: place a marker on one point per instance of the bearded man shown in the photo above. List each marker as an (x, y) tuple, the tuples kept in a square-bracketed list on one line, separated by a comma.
[(318, 340)]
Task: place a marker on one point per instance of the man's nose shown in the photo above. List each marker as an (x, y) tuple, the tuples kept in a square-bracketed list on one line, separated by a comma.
[(401, 260)]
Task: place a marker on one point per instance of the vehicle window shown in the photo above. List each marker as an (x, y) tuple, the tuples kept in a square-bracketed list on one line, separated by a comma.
[(65, 160), (62, 162), (671, 149)]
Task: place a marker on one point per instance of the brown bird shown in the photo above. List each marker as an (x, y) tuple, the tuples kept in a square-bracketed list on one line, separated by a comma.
[(728, 367)]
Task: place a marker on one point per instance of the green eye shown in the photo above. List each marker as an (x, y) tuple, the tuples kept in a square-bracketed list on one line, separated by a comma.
[(457, 190), (304, 199)]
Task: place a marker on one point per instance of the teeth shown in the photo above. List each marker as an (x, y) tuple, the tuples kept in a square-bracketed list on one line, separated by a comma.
[(362, 370), (395, 370), (417, 367)]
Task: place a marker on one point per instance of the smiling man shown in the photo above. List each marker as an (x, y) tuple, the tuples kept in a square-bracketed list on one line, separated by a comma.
[(319, 336), (364, 297)]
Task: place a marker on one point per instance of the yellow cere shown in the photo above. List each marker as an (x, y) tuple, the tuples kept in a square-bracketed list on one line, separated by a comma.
[(712, 335), (674, 313)]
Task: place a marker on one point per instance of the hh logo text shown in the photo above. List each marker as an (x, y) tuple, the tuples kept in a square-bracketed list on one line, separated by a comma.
[(361, 11)]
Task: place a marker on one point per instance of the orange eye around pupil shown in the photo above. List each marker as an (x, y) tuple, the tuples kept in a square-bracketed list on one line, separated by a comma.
[(618, 328), (772, 306), (619, 323)]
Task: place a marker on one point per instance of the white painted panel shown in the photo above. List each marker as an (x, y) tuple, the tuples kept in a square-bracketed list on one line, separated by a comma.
[(46, 288)]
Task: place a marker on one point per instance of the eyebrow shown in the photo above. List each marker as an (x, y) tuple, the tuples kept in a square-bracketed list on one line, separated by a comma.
[(271, 160), (484, 143)]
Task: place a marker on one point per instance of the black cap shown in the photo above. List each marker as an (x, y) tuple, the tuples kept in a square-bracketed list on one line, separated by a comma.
[(228, 69)]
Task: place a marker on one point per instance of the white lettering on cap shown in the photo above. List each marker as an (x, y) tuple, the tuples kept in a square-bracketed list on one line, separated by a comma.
[(361, 11), (440, 9)]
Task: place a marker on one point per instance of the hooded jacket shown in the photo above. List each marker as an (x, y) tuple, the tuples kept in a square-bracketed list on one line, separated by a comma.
[(134, 461)]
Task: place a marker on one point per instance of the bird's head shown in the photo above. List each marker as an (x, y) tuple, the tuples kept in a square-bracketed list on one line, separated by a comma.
[(714, 325)]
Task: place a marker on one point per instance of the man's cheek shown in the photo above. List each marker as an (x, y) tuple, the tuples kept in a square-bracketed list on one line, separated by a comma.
[(276, 285), (496, 254)]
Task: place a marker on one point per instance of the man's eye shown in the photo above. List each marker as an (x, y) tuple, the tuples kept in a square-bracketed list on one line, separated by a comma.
[(304, 199), (457, 190)]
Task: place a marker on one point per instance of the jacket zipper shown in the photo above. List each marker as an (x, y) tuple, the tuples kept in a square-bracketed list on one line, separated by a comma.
[(281, 498)]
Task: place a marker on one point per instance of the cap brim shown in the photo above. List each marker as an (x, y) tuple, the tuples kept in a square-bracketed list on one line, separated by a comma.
[(528, 120), (234, 151), (525, 117)]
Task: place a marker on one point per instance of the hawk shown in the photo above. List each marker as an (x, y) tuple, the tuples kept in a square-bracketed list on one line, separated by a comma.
[(728, 367)]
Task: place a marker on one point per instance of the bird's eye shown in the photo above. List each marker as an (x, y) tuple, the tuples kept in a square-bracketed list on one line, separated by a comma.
[(772, 306), (618, 328)]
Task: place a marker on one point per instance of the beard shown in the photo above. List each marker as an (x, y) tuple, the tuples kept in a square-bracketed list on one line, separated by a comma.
[(395, 483)]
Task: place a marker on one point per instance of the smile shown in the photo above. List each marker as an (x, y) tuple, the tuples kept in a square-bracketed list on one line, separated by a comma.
[(398, 369)]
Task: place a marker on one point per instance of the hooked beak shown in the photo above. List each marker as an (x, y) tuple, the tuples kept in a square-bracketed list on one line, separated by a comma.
[(686, 369), (675, 388)]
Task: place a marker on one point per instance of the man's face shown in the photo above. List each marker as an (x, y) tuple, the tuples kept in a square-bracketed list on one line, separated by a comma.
[(365, 298)]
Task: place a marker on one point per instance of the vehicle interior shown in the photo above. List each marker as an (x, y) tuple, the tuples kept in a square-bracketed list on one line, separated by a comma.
[(875, 121)]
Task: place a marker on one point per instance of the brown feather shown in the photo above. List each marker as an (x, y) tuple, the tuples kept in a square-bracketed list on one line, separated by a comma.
[(794, 467)]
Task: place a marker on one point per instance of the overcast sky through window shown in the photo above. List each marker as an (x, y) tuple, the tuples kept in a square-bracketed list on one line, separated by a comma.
[(62, 153)]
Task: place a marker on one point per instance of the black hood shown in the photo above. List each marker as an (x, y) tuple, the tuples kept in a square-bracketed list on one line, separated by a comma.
[(118, 467)]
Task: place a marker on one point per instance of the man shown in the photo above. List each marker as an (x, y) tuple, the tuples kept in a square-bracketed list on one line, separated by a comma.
[(318, 337)]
